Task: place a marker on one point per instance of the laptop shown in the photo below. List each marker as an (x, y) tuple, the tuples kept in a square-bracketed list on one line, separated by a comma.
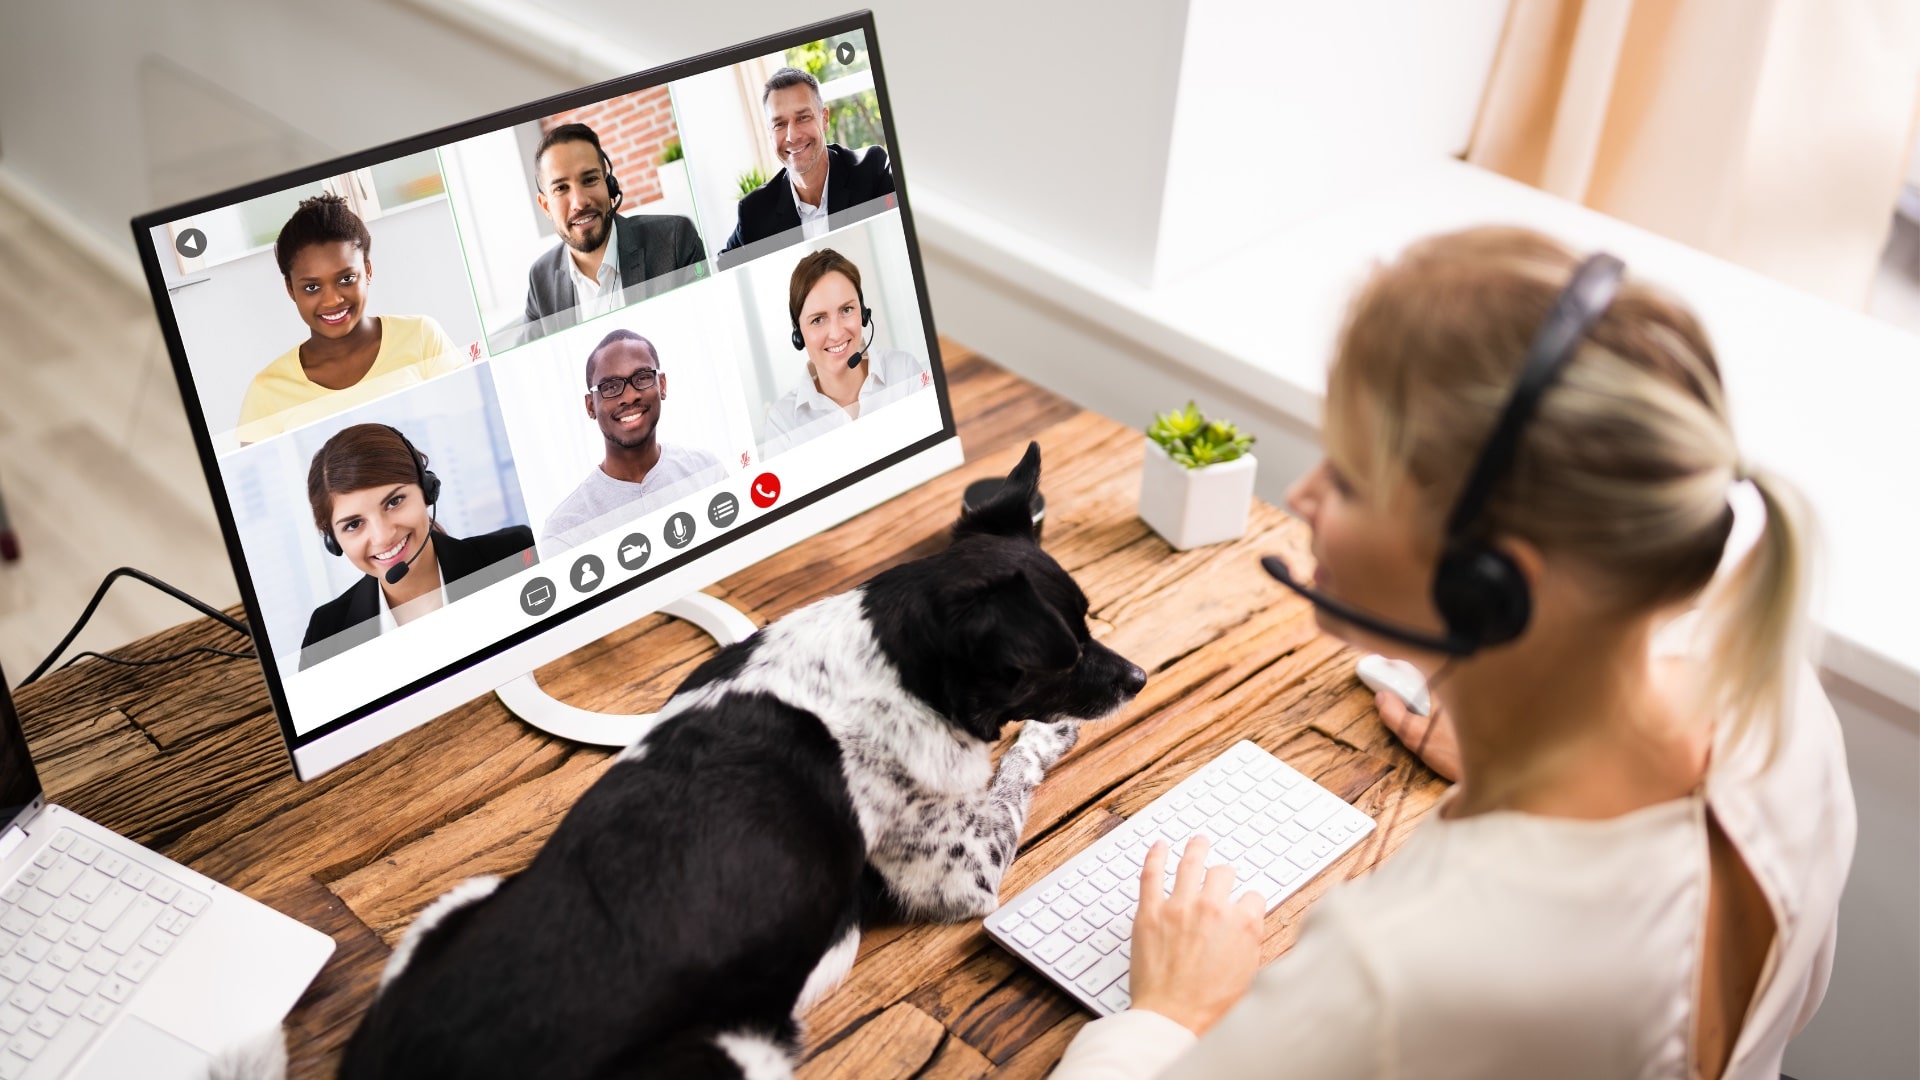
[(116, 961)]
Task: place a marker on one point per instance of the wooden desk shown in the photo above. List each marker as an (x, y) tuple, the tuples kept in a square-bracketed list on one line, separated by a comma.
[(187, 758)]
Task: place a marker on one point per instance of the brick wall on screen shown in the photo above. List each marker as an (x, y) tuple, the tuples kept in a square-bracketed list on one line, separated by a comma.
[(633, 129)]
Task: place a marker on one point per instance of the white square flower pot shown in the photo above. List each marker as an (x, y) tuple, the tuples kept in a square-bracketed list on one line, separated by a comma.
[(1195, 507)]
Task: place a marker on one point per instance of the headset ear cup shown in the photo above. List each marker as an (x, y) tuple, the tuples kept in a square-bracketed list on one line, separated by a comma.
[(332, 545), (613, 182), (1482, 595), (866, 315), (798, 341), (429, 486)]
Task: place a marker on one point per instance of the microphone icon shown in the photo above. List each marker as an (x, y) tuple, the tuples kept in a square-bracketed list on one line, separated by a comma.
[(679, 531)]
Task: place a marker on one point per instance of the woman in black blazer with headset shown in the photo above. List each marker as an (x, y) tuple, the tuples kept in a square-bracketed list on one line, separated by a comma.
[(375, 503)]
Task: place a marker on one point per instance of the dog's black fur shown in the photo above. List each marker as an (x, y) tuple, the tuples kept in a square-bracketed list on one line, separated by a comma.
[(828, 771)]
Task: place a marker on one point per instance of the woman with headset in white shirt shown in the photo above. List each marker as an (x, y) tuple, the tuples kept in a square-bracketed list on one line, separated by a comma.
[(1526, 491)]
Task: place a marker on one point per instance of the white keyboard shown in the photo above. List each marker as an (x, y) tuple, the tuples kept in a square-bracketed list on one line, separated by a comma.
[(80, 928), (1275, 826)]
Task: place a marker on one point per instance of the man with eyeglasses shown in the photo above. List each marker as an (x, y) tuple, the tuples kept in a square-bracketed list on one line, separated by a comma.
[(625, 389), (603, 252)]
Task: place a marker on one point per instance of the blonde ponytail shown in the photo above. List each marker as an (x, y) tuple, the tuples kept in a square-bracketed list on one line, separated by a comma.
[(1755, 616)]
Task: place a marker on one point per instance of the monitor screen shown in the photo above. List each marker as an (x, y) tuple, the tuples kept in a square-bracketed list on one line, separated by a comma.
[(19, 783), (573, 359)]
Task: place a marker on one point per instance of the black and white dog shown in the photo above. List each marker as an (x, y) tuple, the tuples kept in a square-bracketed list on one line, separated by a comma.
[(830, 770)]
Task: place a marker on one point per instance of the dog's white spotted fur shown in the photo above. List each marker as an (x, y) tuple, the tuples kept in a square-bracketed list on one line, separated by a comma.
[(936, 829), (759, 1057), (470, 891)]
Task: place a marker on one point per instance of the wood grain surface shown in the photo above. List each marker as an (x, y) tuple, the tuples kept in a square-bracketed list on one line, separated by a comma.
[(187, 757)]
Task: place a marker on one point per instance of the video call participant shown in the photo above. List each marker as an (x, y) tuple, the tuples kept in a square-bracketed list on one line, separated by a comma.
[(844, 377), (326, 259), (820, 178), (625, 391), (580, 195), (1639, 870), (376, 503)]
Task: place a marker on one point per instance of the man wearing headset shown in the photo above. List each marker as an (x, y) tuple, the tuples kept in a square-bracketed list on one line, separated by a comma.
[(602, 252)]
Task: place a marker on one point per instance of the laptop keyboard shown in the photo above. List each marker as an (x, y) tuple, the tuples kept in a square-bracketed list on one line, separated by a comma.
[(80, 929), (1274, 825)]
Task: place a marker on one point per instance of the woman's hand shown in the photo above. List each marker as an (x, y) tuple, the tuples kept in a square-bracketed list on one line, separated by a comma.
[(1195, 952), (1430, 737)]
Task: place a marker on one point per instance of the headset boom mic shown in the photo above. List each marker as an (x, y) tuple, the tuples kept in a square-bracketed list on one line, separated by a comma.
[(1419, 639)]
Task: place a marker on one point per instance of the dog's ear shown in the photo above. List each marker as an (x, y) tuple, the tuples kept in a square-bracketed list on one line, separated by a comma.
[(1010, 511), (1009, 624)]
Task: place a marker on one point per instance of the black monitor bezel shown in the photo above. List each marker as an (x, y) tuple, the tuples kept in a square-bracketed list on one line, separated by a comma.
[(144, 225)]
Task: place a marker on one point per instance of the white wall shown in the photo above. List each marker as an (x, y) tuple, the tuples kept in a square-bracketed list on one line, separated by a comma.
[(1286, 105)]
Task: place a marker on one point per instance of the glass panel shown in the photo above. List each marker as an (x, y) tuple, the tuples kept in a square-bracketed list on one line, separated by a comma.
[(261, 219)]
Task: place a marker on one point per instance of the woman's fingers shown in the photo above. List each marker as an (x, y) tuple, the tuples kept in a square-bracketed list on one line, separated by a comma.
[(1153, 871), (1429, 737), (1192, 873)]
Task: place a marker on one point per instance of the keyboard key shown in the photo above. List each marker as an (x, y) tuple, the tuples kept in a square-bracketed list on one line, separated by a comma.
[(1029, 936), (1071, 878), (1121, 927), (84, 850), (1078, 961), (1116, 999), (1292, 832), (64, 1001), (1103, 974), (89, 886), (1066, 907), (1053, 948), (137, 965), (1104, 941), (1299, 797), (36, 903), (53, 928), (29, 876), (99, 1010), (1028, 909), (45, 857), (1051, 893), (1007, 925), (137, 876), (100, 961), (13, 1066), (1085, 893), (1302, 856), (11, 1019), (13, 893), (163, 889), (1104, 882), (83, 981), (15, 968), (139, 915), (1048, 922), (33, 948), (16, 922), (1118, 902), (1320, 846), (111, 863), (65, 957), (116, 989), (26, 1044), (1316, 813), (26, 997), (46, 1022), (61, 1051), (112, 904), (83, 937), (1078, 929), (45, 976), (62, 840), (69, 909)]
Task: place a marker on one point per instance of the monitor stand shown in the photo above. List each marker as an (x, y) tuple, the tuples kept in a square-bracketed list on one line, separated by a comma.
[(524, 698)]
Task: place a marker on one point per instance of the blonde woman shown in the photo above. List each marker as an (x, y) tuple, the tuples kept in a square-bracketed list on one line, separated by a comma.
[(1638, 872)]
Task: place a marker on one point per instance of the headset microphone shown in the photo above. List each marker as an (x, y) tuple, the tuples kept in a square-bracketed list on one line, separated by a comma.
[(858, 354), (399, 570), (1419, 639)]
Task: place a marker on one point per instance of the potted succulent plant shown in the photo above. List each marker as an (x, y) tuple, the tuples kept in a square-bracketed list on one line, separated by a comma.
[(1197, 482)]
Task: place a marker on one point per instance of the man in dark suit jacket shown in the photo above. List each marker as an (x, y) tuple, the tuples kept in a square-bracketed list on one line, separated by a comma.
[(466, 566), (580, 195), (819, 178)]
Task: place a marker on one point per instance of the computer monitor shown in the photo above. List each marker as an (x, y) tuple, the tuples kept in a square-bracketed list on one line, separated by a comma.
[(471, 400)]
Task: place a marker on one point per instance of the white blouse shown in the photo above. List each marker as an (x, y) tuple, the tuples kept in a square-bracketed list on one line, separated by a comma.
[(1514, 945)]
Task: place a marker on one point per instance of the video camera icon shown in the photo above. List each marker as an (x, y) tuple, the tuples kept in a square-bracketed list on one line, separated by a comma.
[(634, 550)]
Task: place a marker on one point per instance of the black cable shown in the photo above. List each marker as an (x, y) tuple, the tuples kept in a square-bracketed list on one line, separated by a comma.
[(100, 593)]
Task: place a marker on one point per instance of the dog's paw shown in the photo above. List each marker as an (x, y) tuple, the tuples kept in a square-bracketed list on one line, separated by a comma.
[(1049, 741)]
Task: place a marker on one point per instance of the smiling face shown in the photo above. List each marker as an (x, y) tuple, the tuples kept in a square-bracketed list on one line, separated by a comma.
[(1372, 549), (797, 123), (830, 322), (573, 193), (329, 284), (629, 418), (380, 527)]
